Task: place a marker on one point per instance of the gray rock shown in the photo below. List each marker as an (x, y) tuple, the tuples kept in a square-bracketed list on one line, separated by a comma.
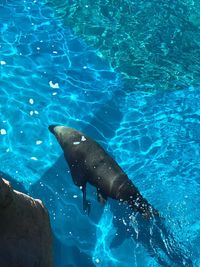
[(25, 232)]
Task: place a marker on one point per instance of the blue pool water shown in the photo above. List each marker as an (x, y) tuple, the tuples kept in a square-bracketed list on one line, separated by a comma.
[(48, 74)]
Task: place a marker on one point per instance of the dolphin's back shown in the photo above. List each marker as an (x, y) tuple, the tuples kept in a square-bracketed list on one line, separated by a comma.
[(102, 170)]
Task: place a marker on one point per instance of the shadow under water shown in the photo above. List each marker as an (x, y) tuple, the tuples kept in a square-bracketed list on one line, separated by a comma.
[(73, 256)]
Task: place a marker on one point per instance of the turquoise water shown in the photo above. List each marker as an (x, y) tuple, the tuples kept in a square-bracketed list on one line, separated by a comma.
[(153, 44), (49, 74)]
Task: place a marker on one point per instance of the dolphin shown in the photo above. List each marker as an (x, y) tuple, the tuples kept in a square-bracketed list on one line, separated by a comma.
[(90, 163)]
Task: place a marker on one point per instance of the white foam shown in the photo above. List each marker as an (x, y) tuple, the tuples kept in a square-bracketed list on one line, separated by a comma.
[(54, 85), (34, 158), (97, 261), (38, 142), (2, 62), (124, 222), (3, 132), (31, 101)]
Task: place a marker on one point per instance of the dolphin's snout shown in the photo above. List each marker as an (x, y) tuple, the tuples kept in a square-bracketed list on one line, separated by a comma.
[(52, 128)]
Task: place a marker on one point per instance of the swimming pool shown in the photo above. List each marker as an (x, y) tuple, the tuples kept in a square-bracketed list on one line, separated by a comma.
[(50, 73)]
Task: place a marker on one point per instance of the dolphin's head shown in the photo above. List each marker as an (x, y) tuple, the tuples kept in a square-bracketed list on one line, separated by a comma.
[(67, 137)]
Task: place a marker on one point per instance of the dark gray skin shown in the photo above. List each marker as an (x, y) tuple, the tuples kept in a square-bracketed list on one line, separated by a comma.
[(90, 163)]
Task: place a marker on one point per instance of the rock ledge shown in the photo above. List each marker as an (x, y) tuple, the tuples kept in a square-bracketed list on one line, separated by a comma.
[(25, 232)]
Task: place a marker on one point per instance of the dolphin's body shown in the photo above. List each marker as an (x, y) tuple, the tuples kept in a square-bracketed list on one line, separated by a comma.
[(90, 163)]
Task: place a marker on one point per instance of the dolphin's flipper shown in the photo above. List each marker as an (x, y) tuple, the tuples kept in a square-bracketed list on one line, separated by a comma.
[(102, 198), (86, 203)]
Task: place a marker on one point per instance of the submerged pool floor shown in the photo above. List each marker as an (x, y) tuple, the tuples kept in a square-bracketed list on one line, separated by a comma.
[(49, 75)]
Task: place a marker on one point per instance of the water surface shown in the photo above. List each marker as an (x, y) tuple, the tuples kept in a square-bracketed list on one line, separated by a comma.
[(51, 73)]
